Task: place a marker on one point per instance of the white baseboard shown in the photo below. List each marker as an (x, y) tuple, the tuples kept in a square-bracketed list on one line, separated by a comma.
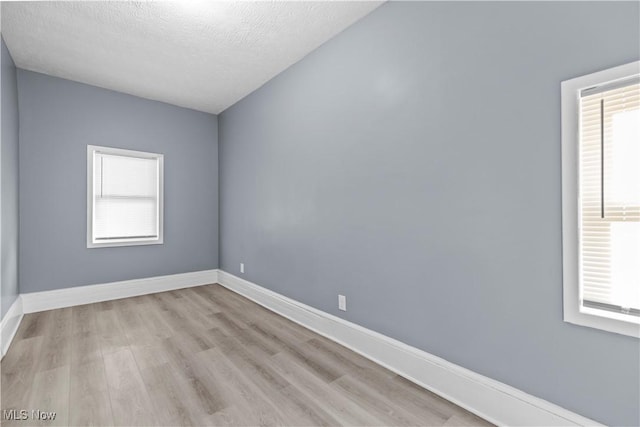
[(10, 323), (490, 399), (68, 297)]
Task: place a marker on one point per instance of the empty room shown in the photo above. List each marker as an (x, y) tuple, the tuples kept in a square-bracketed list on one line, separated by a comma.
[(320, 213)]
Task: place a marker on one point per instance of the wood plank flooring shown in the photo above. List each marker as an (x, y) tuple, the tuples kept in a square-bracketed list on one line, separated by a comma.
[(201, 356)]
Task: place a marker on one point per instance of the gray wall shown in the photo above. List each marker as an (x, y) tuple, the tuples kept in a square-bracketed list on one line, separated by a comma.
[(412, 163), (9, 183), (58, 118)]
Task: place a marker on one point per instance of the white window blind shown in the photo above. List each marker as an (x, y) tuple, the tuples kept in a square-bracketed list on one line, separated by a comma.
[(609, 197), (125, 201)]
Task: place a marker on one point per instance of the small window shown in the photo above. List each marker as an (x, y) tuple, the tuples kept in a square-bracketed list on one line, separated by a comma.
[(124, 197), (601, 199)]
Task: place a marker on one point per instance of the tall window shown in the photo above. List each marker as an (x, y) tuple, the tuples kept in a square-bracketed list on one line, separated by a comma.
[(601, 199), (124, 197)]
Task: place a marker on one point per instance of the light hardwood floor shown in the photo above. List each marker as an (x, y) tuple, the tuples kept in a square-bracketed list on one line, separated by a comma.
[(201, 356)]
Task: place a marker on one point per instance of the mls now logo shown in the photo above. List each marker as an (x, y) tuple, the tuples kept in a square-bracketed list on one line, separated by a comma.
[(23, 414)]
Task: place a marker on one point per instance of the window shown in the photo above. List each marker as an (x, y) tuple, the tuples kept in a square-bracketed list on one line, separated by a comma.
[(601, 199), (124, 197)]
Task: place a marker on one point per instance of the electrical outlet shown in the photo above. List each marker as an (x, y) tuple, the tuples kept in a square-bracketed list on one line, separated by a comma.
[(342, 302), (241, 267)]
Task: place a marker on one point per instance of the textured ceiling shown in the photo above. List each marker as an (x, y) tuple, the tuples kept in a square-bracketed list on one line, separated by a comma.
[(203, 55)]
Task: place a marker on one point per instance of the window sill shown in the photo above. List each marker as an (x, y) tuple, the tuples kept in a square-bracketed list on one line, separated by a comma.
[(116, 243), (607, 321)]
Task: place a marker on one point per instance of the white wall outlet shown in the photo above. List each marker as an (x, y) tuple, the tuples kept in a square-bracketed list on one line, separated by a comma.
[(342, 302), (242, 267)]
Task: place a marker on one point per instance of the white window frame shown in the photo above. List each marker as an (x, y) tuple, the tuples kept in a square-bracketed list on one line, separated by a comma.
[(573, 311), (91, 243)]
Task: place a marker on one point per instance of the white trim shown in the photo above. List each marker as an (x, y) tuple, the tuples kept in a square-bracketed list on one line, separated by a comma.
[(91, 244), (492, 400), (10, 323), (49, 300), (570, 236)]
